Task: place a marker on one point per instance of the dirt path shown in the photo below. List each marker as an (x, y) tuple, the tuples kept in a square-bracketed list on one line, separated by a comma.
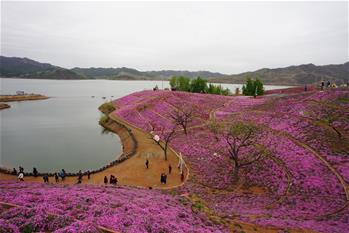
[(132, 171)]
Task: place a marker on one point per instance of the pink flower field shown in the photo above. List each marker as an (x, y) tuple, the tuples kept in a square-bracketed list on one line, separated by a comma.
[(300, 184)]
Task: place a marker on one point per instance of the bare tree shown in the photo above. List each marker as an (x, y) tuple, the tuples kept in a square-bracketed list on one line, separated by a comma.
[(182, 116), (238, 136), (164, 138), (215, 127)]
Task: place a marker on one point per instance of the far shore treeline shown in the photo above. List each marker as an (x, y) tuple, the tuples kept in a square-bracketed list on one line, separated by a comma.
[(199, 85)]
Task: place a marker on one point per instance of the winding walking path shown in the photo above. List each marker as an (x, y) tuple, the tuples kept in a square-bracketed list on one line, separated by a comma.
[(132, 171)]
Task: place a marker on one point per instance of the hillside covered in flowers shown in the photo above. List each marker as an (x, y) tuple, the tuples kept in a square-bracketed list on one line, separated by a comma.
[(288, 173)]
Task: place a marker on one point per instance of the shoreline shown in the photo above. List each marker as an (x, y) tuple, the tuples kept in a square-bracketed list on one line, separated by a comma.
[(151, 80), (4, 106), (10, 98), (129, 167)]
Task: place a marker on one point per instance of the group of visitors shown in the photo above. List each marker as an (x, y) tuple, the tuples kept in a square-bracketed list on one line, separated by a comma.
[(328, 85), (163, 176), (112, 180)]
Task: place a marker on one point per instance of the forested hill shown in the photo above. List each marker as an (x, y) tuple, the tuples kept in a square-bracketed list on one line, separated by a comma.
[(27, 68), (295, 75), (292, 75)]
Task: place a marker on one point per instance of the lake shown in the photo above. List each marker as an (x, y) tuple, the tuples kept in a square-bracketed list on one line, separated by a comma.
[(63, 131)]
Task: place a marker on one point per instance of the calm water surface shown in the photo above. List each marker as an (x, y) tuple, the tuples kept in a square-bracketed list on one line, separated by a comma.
[(63, 131)]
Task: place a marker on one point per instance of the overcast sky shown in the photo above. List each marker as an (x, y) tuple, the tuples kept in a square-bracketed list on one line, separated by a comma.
[(228, 37)]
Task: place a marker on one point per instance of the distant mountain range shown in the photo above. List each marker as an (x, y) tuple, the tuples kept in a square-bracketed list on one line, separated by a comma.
[(292, 75)]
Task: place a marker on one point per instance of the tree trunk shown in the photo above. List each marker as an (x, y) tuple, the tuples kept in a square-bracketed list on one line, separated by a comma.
[(236, 173), (337, 131), (165, 152)]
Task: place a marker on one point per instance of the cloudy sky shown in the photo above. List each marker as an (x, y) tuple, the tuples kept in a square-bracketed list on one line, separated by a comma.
[(228, 37)]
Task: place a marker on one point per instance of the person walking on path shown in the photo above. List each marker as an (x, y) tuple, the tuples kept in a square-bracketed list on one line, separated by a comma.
[(88, 174), (45, 178), (105, 180), (163, 178), (35, 172), (147, 163), (21, 176), (14, 172), (180, 163), (169, 169), (79, 177)]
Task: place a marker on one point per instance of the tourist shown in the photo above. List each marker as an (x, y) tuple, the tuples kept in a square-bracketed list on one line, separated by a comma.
[(35, 172), (111, 179), (163, 178), (79, 177), (88, 174), (105, 180), (63, 174), (169, 169), (21, 176), (56, 177), (14, 171), (322, 85), (328, 84), (147, 163), (115, 181), (182, 176), (45, 178)]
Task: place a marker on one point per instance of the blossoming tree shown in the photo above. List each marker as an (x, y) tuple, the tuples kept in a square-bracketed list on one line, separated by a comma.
[(164, 137)]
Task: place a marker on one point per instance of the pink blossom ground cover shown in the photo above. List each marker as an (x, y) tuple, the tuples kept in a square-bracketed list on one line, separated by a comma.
[(79, 208), (299, 191), (295, 188)]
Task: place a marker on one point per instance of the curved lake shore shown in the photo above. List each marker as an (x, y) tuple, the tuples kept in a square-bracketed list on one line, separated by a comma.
[(129, 168)]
